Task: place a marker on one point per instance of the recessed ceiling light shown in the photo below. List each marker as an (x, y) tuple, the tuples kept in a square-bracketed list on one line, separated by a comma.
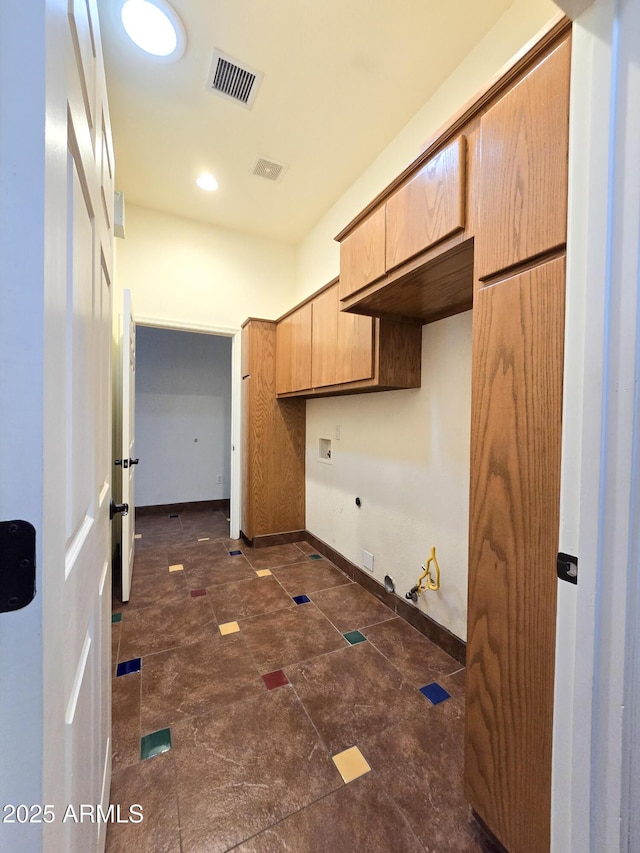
[(155, 27), (207, 182)]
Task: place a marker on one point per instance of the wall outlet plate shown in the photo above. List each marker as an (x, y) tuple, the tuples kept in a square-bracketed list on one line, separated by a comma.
[(324, 451), (367, 561)]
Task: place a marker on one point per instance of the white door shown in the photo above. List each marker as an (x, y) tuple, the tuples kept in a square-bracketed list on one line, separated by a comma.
[(56, 191), (129, 459)]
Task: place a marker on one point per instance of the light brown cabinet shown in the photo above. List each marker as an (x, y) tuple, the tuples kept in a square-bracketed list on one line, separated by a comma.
[(342, 344), (363, 254), (348, 353), (518, 336), (423, 211), (273, 441), (293, 336), (523, 170), (429, 207)]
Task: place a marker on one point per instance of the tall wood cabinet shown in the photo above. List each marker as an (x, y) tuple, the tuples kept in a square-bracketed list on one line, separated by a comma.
[(518, 339), (273, 441)]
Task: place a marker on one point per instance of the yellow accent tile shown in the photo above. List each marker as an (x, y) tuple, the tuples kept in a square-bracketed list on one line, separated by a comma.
[(137, 535), (351, 764), (263, 573), (177, 568), (228, 628), (204, 539)]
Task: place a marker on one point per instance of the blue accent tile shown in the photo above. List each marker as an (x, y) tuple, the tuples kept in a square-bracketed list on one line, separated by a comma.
[(116, 617), (235, 553), (354, 637), (434, 693), (129, 666), (315, 556), (301, 599), (155, 743)]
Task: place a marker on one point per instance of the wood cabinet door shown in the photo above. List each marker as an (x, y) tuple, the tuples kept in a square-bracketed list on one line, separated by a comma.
[(523, 168), (518, 340), (324, 338), (362, 254), (293, 351), (245, 345), (430, 207), (354, 348)]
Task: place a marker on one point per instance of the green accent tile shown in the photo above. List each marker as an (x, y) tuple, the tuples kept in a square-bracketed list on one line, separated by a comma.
[(354, 637), (315, 556), (116, 617), (155, 743)]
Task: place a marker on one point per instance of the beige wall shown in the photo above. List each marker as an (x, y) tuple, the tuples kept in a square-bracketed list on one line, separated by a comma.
[(406, 453), (183, 271)]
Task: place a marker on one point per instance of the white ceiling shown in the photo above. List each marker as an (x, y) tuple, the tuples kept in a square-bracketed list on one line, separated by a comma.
[(341, 78)]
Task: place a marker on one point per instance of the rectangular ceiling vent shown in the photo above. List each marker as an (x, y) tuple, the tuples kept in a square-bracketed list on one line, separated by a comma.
[(232, 80), (269, 169)]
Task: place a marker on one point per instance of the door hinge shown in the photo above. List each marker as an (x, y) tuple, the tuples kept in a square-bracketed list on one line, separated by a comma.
[(567, 568), (17, 565)]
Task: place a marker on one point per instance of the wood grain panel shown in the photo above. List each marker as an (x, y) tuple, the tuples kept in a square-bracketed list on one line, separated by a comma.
[(429, 207), (523, 174), (362, 254), (518, 329), (399, 353), (429, 291), (273, 444), (294, 351), (324, 339), (354, 348)]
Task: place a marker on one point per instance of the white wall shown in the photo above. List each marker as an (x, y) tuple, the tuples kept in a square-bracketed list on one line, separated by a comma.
[(406, 453), (186, 273), (183, 416)]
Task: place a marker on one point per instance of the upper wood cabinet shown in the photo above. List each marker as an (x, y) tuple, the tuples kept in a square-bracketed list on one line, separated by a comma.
[(523, 168), (339, 353), (429, 207), (362, 254), (293, 346), (342, 344)]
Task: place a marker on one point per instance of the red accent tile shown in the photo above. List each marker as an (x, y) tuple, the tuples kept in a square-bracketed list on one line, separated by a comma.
[(196, 592), (275, 679)]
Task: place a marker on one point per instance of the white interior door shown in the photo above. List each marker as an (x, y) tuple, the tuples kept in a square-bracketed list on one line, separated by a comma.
[(129, 459), (56, 192)]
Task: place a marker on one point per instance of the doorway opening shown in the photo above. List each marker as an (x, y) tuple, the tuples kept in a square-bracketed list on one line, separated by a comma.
[(187, 416)]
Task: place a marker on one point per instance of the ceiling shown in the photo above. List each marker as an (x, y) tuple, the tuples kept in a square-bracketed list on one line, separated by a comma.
[(341, 78)]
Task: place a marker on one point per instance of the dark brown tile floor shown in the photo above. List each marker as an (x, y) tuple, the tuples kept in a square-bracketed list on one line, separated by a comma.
[(250, 768)]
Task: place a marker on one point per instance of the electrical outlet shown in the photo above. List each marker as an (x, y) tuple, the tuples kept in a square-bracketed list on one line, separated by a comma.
[(219, 479), (367, 561)]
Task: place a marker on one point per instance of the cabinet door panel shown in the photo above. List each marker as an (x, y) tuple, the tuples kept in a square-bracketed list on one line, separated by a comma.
[(430, 207), (293, 351), (523, 172), (518, 337), (324, 337), (362, 254), (354, 349)]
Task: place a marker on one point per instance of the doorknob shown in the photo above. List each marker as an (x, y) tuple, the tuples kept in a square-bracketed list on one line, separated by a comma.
[(114, 508), (133, 461), (123, 462)]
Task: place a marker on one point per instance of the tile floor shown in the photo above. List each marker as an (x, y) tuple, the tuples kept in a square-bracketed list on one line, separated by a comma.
[(267, 703)]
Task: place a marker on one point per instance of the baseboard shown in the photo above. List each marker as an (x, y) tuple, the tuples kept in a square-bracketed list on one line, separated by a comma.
[(442, 637), (160, 509), (271, 539)]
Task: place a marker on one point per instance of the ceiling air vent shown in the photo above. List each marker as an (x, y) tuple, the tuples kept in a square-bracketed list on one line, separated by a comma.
[(270, 169), (232, 80)]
